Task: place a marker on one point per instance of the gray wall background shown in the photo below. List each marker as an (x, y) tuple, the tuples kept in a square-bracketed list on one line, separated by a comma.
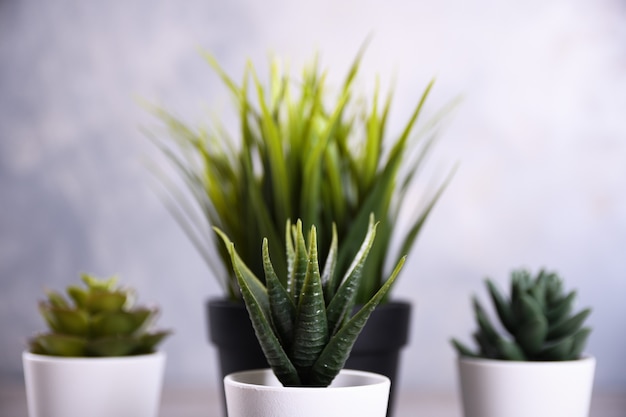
[(540, 137)]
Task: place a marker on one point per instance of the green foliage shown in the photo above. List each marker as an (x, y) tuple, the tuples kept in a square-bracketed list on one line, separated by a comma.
[(97, 321), (304, 321), (298, 154), (538, 320)]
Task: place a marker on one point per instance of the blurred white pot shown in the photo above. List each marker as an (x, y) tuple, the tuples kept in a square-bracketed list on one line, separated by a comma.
[(125, 386), (493, 388), (353, 393)]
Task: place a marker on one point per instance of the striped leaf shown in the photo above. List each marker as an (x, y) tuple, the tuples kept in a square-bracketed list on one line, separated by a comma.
[(335, 354), (311, 328)]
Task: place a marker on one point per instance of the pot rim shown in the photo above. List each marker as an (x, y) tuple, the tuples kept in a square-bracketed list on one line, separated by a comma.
[(501, 363), (36, 357), (370, 379), (226, 301)]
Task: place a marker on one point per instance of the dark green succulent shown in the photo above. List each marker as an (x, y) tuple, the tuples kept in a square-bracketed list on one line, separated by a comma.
[(303, 320), (97, 321), (538, 318)]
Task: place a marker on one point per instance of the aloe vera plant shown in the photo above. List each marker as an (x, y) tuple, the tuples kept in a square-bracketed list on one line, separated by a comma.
[(98, 320), (303, 319), (299, 154), (538, 318)]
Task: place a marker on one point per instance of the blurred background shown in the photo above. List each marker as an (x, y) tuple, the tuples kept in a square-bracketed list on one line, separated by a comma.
[(540, 138)]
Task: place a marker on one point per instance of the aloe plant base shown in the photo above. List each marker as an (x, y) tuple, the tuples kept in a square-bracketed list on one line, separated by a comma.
[(258, 393), (376, 350), (124, 386), (494, 388)]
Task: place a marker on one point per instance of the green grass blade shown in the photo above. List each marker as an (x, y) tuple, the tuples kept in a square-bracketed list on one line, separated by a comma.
[(373, 273), (330, 280), (276, 157), (290, 252), (232, 86), (335, 191), (373, 143), (377, 202), (300, 263), (399, 146), (313, 164)]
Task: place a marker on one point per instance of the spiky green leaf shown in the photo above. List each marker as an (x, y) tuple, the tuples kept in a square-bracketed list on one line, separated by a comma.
[(463, 350), (568, 326), (311, 329), (502, 306), (579, 342), (335, 354), (257, 303), (59, 345), (283, 311), (343, 301)]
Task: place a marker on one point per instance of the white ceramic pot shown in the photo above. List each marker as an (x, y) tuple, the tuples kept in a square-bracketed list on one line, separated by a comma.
[(258, 393), (125, 386), (493, 388)]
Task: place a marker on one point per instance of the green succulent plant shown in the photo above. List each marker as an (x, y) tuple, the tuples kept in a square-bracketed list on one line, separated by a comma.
[(299, 154), (538, 318), (99, 320), (303, 319)]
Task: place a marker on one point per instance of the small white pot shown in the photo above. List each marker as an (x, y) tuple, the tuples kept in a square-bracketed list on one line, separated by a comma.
[(493, 388), (125, 386), (258, 393)]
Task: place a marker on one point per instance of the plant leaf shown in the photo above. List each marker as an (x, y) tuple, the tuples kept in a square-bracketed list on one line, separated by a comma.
[(311, 329), (484, 324), (560, 309), (65, 320), (579, 342), (336, 352), (55, 299), (568, 326), (502, 306), (300, 263), (257, 303), (101, 301), (463, 350), (60, 344), (329, 277), (509, 350), (119, 323), (148, 341), (531, 335), (112, 346), (283, 311), (343, 301)]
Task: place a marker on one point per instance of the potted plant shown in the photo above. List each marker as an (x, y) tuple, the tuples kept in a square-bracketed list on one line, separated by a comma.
[(306, 328), (538, 367), (98, 358), (300, 154)]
